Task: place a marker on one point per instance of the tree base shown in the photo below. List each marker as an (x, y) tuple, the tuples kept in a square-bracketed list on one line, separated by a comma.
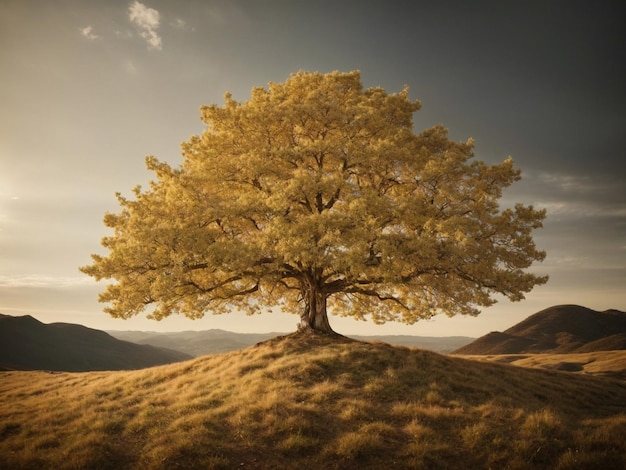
[(307, 329), (308, 338)]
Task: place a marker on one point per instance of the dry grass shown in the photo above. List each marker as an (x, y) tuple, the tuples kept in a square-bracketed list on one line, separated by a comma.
[(598, 363), (313, 402)]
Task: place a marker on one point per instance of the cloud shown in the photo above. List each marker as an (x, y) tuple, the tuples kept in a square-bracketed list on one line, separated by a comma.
[(562, 192), (44, 281), (568, 183), (179, 23), (182, 25), (130, 67), (87, 32), (147, 20)]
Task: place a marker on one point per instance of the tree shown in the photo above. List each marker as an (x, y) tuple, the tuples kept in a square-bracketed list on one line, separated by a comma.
[(317, 192)]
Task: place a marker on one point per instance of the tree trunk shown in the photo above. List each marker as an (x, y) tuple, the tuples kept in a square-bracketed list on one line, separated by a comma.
[(314, 317)]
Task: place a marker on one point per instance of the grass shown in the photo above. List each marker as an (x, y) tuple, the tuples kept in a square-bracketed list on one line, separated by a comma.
[(598, 363), (314, 402)]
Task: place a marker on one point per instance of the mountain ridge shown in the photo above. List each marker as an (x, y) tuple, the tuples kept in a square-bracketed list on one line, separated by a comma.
[(28, 344), (557, 330), (213, 341)]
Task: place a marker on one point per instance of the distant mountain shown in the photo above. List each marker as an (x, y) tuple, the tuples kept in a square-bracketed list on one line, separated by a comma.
[(440, 344), (28, 344), (556, 330), (196, 343), (200, 343)]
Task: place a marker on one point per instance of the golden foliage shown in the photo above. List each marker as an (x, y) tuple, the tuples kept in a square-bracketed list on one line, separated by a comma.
[(318, 190)]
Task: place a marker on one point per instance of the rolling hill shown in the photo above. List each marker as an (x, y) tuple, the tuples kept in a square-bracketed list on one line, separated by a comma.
[(599, 363), (199, 343), (556, 330), (195, 343), (315, 402), (28, 344)]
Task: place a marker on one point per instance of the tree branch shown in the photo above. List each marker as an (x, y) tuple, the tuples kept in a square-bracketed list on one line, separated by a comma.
[(374, 293)]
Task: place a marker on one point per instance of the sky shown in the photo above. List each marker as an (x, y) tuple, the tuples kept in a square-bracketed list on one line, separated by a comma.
[(90, 88)]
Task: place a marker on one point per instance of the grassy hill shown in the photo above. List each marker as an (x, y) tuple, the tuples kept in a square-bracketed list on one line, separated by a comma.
[(308, 401), (599, 363), (556, 330), (28, 344)]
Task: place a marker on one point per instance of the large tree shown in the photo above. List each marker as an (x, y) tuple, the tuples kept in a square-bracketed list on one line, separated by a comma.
[(317, 193)]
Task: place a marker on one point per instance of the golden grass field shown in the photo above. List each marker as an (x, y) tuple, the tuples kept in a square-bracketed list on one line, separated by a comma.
[(598, 363), (308, 401)]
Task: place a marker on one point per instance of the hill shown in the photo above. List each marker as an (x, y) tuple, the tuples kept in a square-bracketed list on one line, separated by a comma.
[(199, 343), (195, 343), (556, 330), (28, 344), (440, 344), (316, 402), (599, 363)]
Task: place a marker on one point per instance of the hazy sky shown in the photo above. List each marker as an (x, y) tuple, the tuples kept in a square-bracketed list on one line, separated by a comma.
[(89, 88)]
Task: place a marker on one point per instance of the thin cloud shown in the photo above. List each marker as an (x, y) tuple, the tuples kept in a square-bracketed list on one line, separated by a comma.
[(577, 210), (561, 191), (44, 281), (147, 20), (130, 67), (87, 32), (182, 25), (568, 183)]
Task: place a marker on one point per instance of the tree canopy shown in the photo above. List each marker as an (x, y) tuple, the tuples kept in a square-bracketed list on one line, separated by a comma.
[(316, 194)]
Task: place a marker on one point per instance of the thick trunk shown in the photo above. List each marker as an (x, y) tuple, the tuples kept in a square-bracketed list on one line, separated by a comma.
[(314, 317)]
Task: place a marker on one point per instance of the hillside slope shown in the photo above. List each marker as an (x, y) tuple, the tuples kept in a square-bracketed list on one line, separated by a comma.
[(556, 330), (28, 344), (308, 401)]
